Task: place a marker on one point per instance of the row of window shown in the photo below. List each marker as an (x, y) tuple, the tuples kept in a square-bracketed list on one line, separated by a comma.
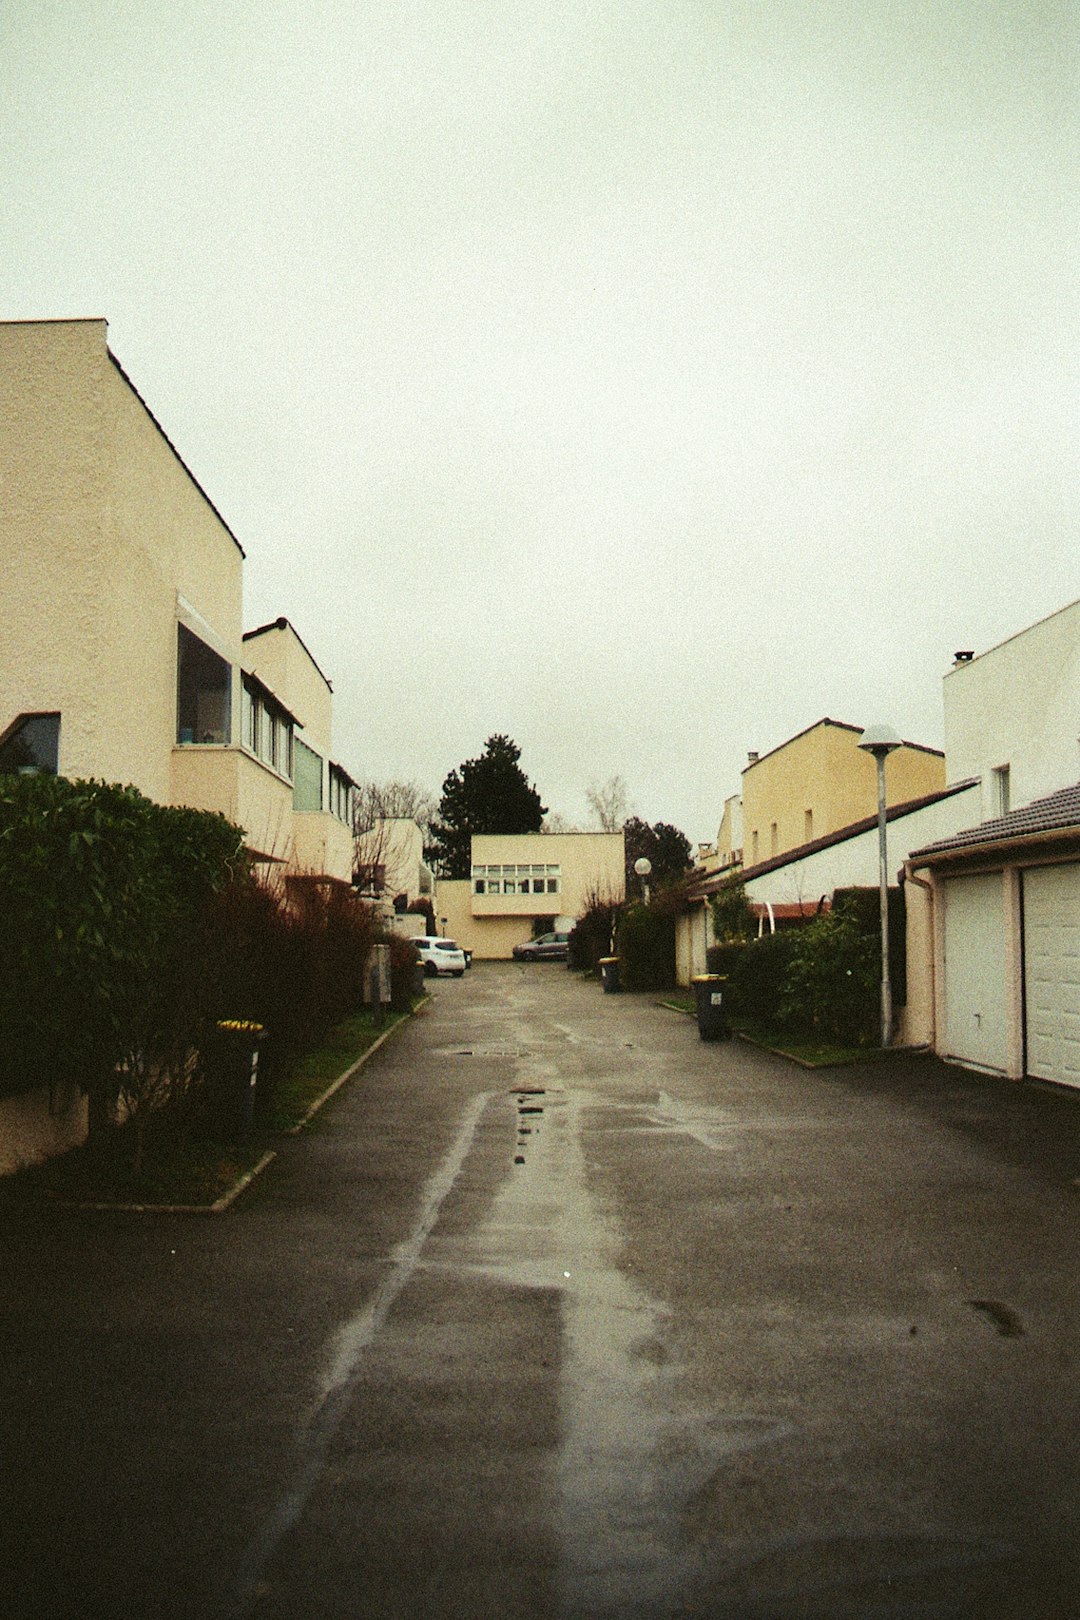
[(203, 709), (516, 879), (268, 730)]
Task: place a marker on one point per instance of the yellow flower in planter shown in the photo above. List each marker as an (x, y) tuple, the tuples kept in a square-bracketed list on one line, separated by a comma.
[(241, 1026)]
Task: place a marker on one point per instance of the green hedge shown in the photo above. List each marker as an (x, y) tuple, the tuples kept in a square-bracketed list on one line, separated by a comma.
[(645, 945), (103, 895), (131, 928), (823, 977), (591, 936)]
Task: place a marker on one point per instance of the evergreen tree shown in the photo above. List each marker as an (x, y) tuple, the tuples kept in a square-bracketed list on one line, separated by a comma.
[(491, 794), (666, 847)]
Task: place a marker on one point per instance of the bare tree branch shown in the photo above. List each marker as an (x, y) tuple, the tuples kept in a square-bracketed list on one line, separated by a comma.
[(609, 802)]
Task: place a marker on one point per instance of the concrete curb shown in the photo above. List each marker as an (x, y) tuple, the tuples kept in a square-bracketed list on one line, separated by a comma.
[(229, 1197), (216, 1208), (335, 1085)]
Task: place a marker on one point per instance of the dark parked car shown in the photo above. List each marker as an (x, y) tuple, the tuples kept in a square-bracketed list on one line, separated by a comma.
[(547, 948)]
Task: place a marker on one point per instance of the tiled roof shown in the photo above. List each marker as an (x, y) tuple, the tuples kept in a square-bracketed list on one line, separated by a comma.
[(1058, 812)]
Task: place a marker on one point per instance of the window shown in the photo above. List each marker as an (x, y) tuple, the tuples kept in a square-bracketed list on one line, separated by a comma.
[(774, 841), (31, 744), (252, 721), (1000, 775), (267, 730), (808, 826), (307, 777), (203, 691), (519, 879), (341, 795)]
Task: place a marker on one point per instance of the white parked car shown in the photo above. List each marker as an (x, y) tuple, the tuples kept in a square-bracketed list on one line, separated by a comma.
[(440, 955)]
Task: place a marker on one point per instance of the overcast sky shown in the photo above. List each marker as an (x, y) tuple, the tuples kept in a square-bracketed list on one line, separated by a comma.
[(645, 379)]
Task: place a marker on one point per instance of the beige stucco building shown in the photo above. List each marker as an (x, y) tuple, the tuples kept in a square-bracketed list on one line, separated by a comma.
[(524, 884), (121, 599), (819, 781), (121, 596), (390, 865)]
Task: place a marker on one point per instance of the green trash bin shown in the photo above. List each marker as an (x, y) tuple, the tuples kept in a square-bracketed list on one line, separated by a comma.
[(711, 1012), (609, 974)]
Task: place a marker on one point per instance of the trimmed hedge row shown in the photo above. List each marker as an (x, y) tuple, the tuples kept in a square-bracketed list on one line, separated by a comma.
[(131, 929), (822, 978)]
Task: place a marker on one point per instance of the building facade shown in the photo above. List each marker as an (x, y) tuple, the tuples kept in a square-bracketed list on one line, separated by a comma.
[(524, 884), (122, 600), (994, 909), (820, 781)]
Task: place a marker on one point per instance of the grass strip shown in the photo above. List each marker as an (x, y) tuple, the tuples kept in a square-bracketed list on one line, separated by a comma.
[(314, 1077), (806, 1050), (187, 1174)]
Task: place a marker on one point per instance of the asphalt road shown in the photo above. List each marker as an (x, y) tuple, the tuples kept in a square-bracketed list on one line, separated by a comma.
[(559, 1312)]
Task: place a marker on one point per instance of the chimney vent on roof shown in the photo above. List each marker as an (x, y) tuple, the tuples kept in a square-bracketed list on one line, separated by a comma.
[(963, 657), (753, 756)]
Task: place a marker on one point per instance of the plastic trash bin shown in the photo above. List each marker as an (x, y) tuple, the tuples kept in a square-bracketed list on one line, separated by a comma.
[(609, 974), (711, 1013), (232, 1075)]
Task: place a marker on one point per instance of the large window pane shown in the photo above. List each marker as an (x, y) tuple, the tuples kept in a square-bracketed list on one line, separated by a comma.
[(202, 691), (33, 744), (307, 777)]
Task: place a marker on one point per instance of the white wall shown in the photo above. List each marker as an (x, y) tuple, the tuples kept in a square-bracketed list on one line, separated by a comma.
[(1018, 705), (854, 863)]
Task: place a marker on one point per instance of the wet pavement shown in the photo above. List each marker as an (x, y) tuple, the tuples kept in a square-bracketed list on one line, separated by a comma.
[(559, 1312)]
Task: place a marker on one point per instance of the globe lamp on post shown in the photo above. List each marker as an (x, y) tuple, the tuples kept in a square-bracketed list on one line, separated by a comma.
[(643, 866), (880, 741)]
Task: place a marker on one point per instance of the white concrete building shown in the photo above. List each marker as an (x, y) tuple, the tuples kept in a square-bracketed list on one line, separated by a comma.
[(996, 921)]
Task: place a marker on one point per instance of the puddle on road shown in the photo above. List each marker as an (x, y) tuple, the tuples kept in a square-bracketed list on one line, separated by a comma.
[(630, 1461)]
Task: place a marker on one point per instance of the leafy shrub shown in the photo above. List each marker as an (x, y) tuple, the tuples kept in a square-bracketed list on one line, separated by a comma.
[(865, 905), (732, 915), (102, 894), (132, 928), (757, 976), (422, 907), (292, 958), (646, 947), (833, 978), (404, 957), (591, 936)]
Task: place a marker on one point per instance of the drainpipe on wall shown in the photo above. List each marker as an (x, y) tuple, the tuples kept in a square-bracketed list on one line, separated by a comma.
[(908, 875)]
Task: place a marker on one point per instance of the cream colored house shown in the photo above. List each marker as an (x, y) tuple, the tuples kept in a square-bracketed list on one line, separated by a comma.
[(121, 599), (819, 781), (803, 881), (121, 595), (390, 863), (805, 825), (278, 666), (994, 909), (524, 884)]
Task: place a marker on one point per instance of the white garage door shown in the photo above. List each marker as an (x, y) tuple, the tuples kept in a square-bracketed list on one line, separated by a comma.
[(975, 989), (1052, 973)]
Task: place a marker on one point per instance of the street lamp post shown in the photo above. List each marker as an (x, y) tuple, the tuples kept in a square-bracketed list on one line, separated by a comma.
[(880, 741), (643, 866)]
